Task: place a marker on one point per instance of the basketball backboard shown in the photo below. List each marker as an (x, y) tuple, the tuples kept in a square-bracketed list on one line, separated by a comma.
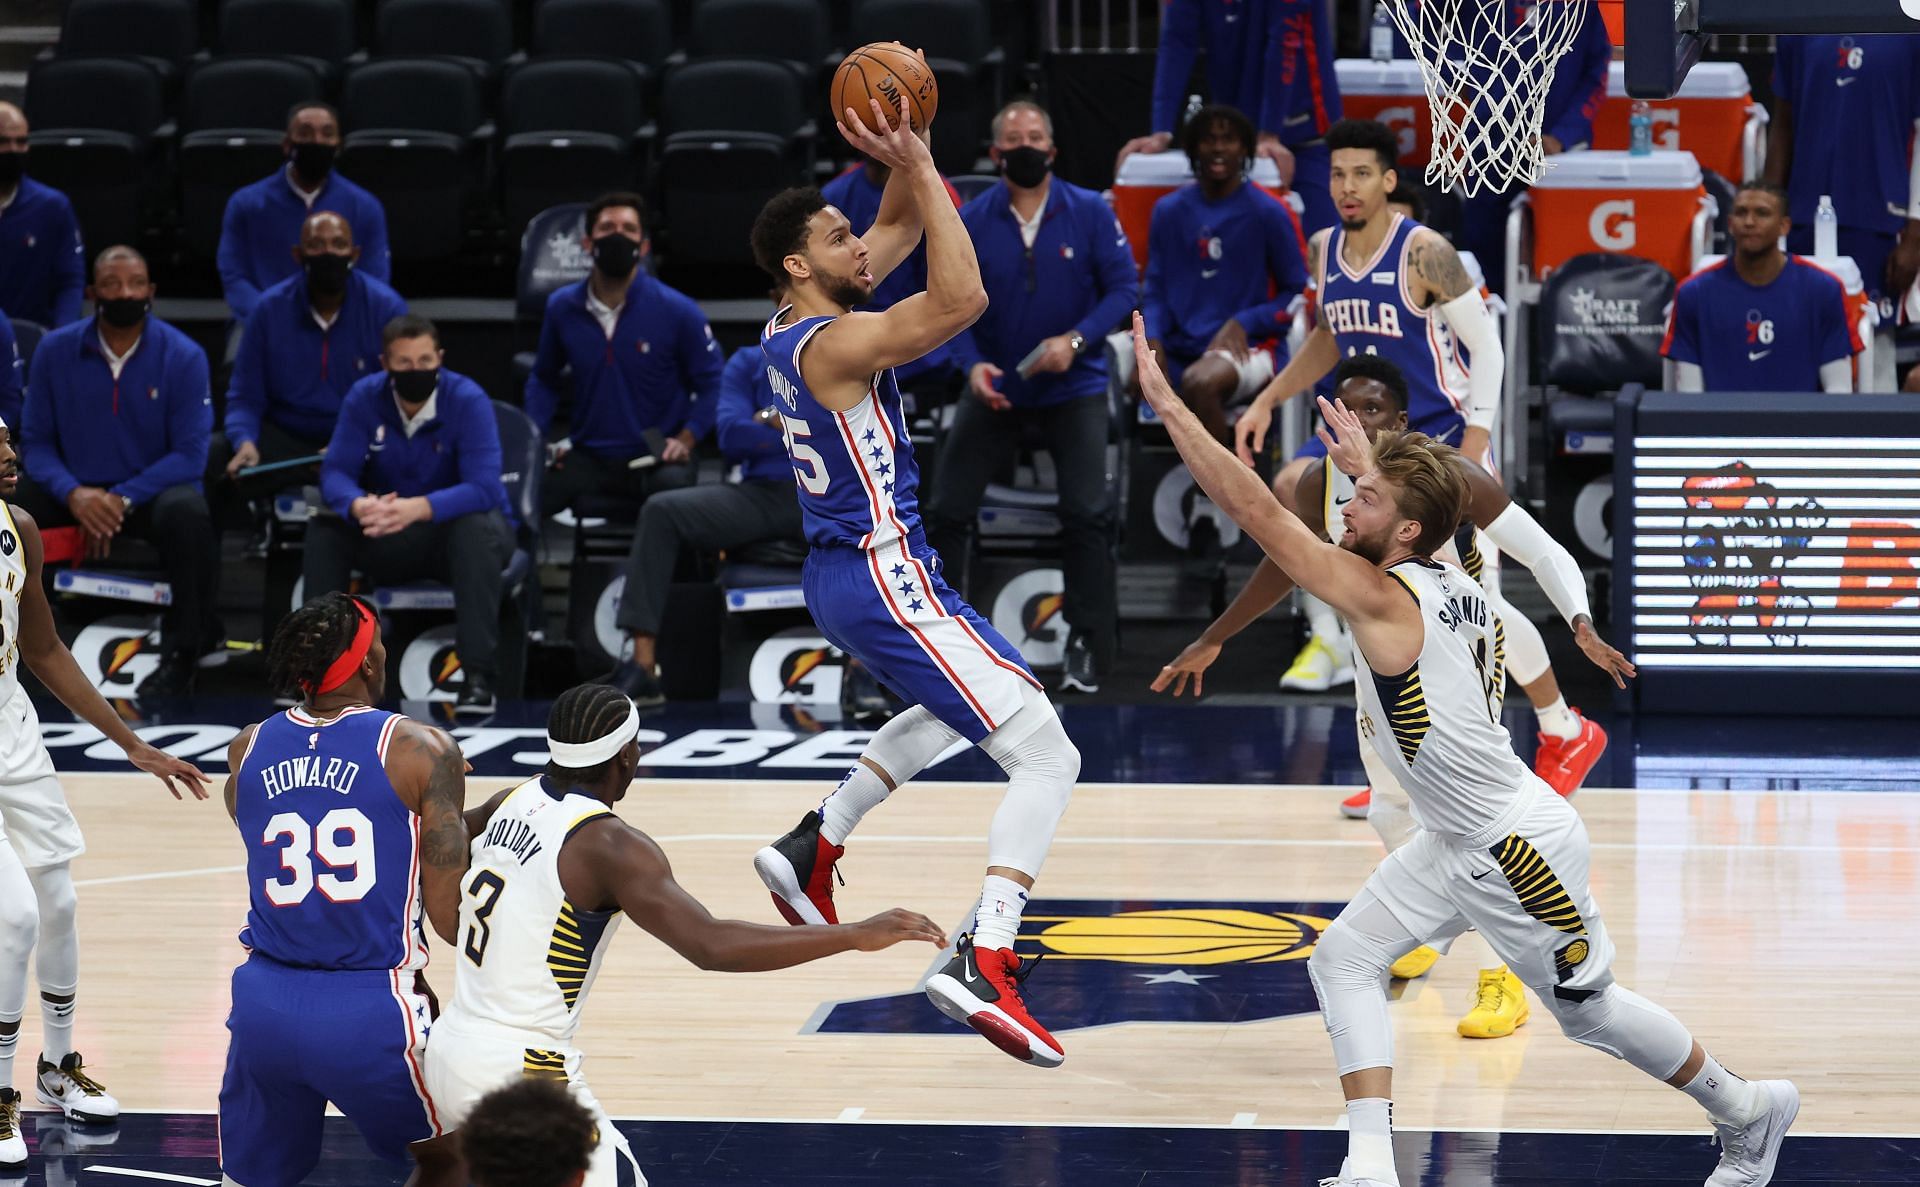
[(1664, 37)]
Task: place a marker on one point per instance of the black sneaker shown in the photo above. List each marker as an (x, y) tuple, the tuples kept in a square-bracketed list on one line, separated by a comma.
[(1081, 673), (476, 698), (216, 655), (638, 683), (799, 870), (861, 696), (173, 678)]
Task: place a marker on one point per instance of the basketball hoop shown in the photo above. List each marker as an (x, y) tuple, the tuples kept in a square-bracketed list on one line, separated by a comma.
[(1487, 74)]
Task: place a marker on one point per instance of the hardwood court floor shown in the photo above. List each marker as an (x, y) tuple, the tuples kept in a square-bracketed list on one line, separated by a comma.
[(1777, 925)]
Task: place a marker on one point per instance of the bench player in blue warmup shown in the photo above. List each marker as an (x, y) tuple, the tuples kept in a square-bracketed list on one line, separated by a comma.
[(352, 820), (873, 585)]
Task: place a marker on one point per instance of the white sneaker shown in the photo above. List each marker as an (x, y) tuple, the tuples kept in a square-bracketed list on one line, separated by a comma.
[(13, 1147), (1343, 1179), (76, 1094), (1317, 668), (1747, 1153)]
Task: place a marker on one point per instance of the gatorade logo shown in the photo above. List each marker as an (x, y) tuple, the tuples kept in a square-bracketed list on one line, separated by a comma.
[(1405, 131), (1611, 224)]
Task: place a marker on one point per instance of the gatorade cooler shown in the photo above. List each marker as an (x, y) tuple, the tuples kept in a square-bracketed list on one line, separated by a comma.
[(1713, 117), (1145, 178), (1393, 93), (1612, 201)]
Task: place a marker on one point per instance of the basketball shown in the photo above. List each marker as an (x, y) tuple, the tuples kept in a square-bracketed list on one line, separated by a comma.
[(885, 70)]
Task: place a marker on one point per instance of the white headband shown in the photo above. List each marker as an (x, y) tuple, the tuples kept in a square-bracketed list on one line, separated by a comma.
[(579, 756)]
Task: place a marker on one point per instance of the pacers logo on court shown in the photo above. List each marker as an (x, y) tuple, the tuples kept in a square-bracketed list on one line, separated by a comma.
[(1110, 961)]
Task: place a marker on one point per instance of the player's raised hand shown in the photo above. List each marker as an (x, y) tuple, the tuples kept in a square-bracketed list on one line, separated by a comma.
[(1154, 387), (166, 768), (894, 927), (897, 148), (1602, 653), (1193, 661), (1345, 438)]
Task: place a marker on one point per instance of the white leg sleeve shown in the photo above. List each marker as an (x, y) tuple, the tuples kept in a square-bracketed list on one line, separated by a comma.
[(1526, 650), (905, 745), (1348, 969), (1041, 766), (1626, 1026), (57, 957), (19, 930)]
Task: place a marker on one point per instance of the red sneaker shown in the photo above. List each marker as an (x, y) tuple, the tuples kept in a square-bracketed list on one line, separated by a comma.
[(799, 870), (1564, 762), (1354, 807), (981, 988)]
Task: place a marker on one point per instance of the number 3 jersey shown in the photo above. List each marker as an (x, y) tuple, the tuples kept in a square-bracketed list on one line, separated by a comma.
[(528, 956), (859, 484), (1437, 724), (333, 855)]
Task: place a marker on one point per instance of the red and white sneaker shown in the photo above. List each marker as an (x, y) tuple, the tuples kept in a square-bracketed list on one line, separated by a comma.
[(1354, 807), (981, 988), (1564, 762), (799, 870)]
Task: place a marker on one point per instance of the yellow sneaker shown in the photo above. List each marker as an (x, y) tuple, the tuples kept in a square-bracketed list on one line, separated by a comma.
[(1413, 964), (1317, 668), (1499, 1008)]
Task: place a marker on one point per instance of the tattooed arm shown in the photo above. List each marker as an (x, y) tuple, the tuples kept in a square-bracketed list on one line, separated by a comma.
[(430, 776), (1441, 284)]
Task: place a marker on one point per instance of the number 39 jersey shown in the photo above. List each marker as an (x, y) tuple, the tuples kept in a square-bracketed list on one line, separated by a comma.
[(859, 484), (527, 955), (333, 855)]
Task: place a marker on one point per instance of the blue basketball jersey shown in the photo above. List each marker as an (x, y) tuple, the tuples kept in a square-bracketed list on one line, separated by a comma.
[(1370, 310), (859, 485), (333, 855)]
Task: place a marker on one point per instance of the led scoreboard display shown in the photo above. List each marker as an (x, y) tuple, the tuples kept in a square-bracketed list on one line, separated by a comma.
[(1767, 551)]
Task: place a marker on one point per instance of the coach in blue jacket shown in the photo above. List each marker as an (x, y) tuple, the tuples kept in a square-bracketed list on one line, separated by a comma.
[(312, 337), (42, 260), (646, 369), (116, 428), (1059, 277), (263, 219), (762, 505), (412, 477)]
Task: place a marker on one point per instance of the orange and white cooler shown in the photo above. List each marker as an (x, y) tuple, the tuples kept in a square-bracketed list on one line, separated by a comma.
[(1391, 92), (1653, 207), (1713, 117), (1145, 178)]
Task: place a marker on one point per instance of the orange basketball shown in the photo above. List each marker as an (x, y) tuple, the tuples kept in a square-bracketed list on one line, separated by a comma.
[(887, 71)]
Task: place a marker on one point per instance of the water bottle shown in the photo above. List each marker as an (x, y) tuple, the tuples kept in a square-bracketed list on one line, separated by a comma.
[(1640, 126), (1380, 38), (1826, 229), (1193, 109)]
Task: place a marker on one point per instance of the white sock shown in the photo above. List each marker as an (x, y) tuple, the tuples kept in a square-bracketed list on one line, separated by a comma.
[(1726, 1097), (9, 1047), (858, 794), (56, 1025), (1370, 1140), (997, 920), (1558, 721)]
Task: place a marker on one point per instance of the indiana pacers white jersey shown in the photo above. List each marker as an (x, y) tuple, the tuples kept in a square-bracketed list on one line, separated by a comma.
[(1436, 726), (528, 957), (13, 581)]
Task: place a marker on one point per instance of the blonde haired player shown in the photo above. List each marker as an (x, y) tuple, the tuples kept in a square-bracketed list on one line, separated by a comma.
[(1495, 848), (552, 872), (38, 835)]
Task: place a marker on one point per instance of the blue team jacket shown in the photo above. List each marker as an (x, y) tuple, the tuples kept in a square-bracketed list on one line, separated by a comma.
[(43, 265), (262, 227), (759, 450), (454, 459), (295, 374)]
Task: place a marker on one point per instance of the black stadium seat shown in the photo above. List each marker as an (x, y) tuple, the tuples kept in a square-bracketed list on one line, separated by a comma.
[(573, 128), (956, 37), (785, 30), (233, 117), (737, 132), (163, 33), (632, 30), (479, 33), (319, 32), (415, 129), (95, 124)]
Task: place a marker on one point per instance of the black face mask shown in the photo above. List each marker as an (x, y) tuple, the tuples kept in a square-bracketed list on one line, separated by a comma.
[(413, 387), (614, 255), (327, 273), (124, 312), (1025, 166), (313, 160), (13, 166)]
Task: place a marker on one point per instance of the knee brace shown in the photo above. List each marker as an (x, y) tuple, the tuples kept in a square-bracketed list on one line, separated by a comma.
[(905, 745), (1041, 765), (1348, 969), (1625, 1025)]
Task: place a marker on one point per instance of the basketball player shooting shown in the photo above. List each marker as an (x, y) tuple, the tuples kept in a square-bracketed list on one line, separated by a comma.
[(873, 585), (1495, 849), (39, 837)]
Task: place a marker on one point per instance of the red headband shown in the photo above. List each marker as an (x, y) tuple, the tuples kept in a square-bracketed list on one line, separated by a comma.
[(343, 668)]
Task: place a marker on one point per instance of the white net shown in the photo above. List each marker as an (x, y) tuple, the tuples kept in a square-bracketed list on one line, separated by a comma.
[(1488, 65)]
